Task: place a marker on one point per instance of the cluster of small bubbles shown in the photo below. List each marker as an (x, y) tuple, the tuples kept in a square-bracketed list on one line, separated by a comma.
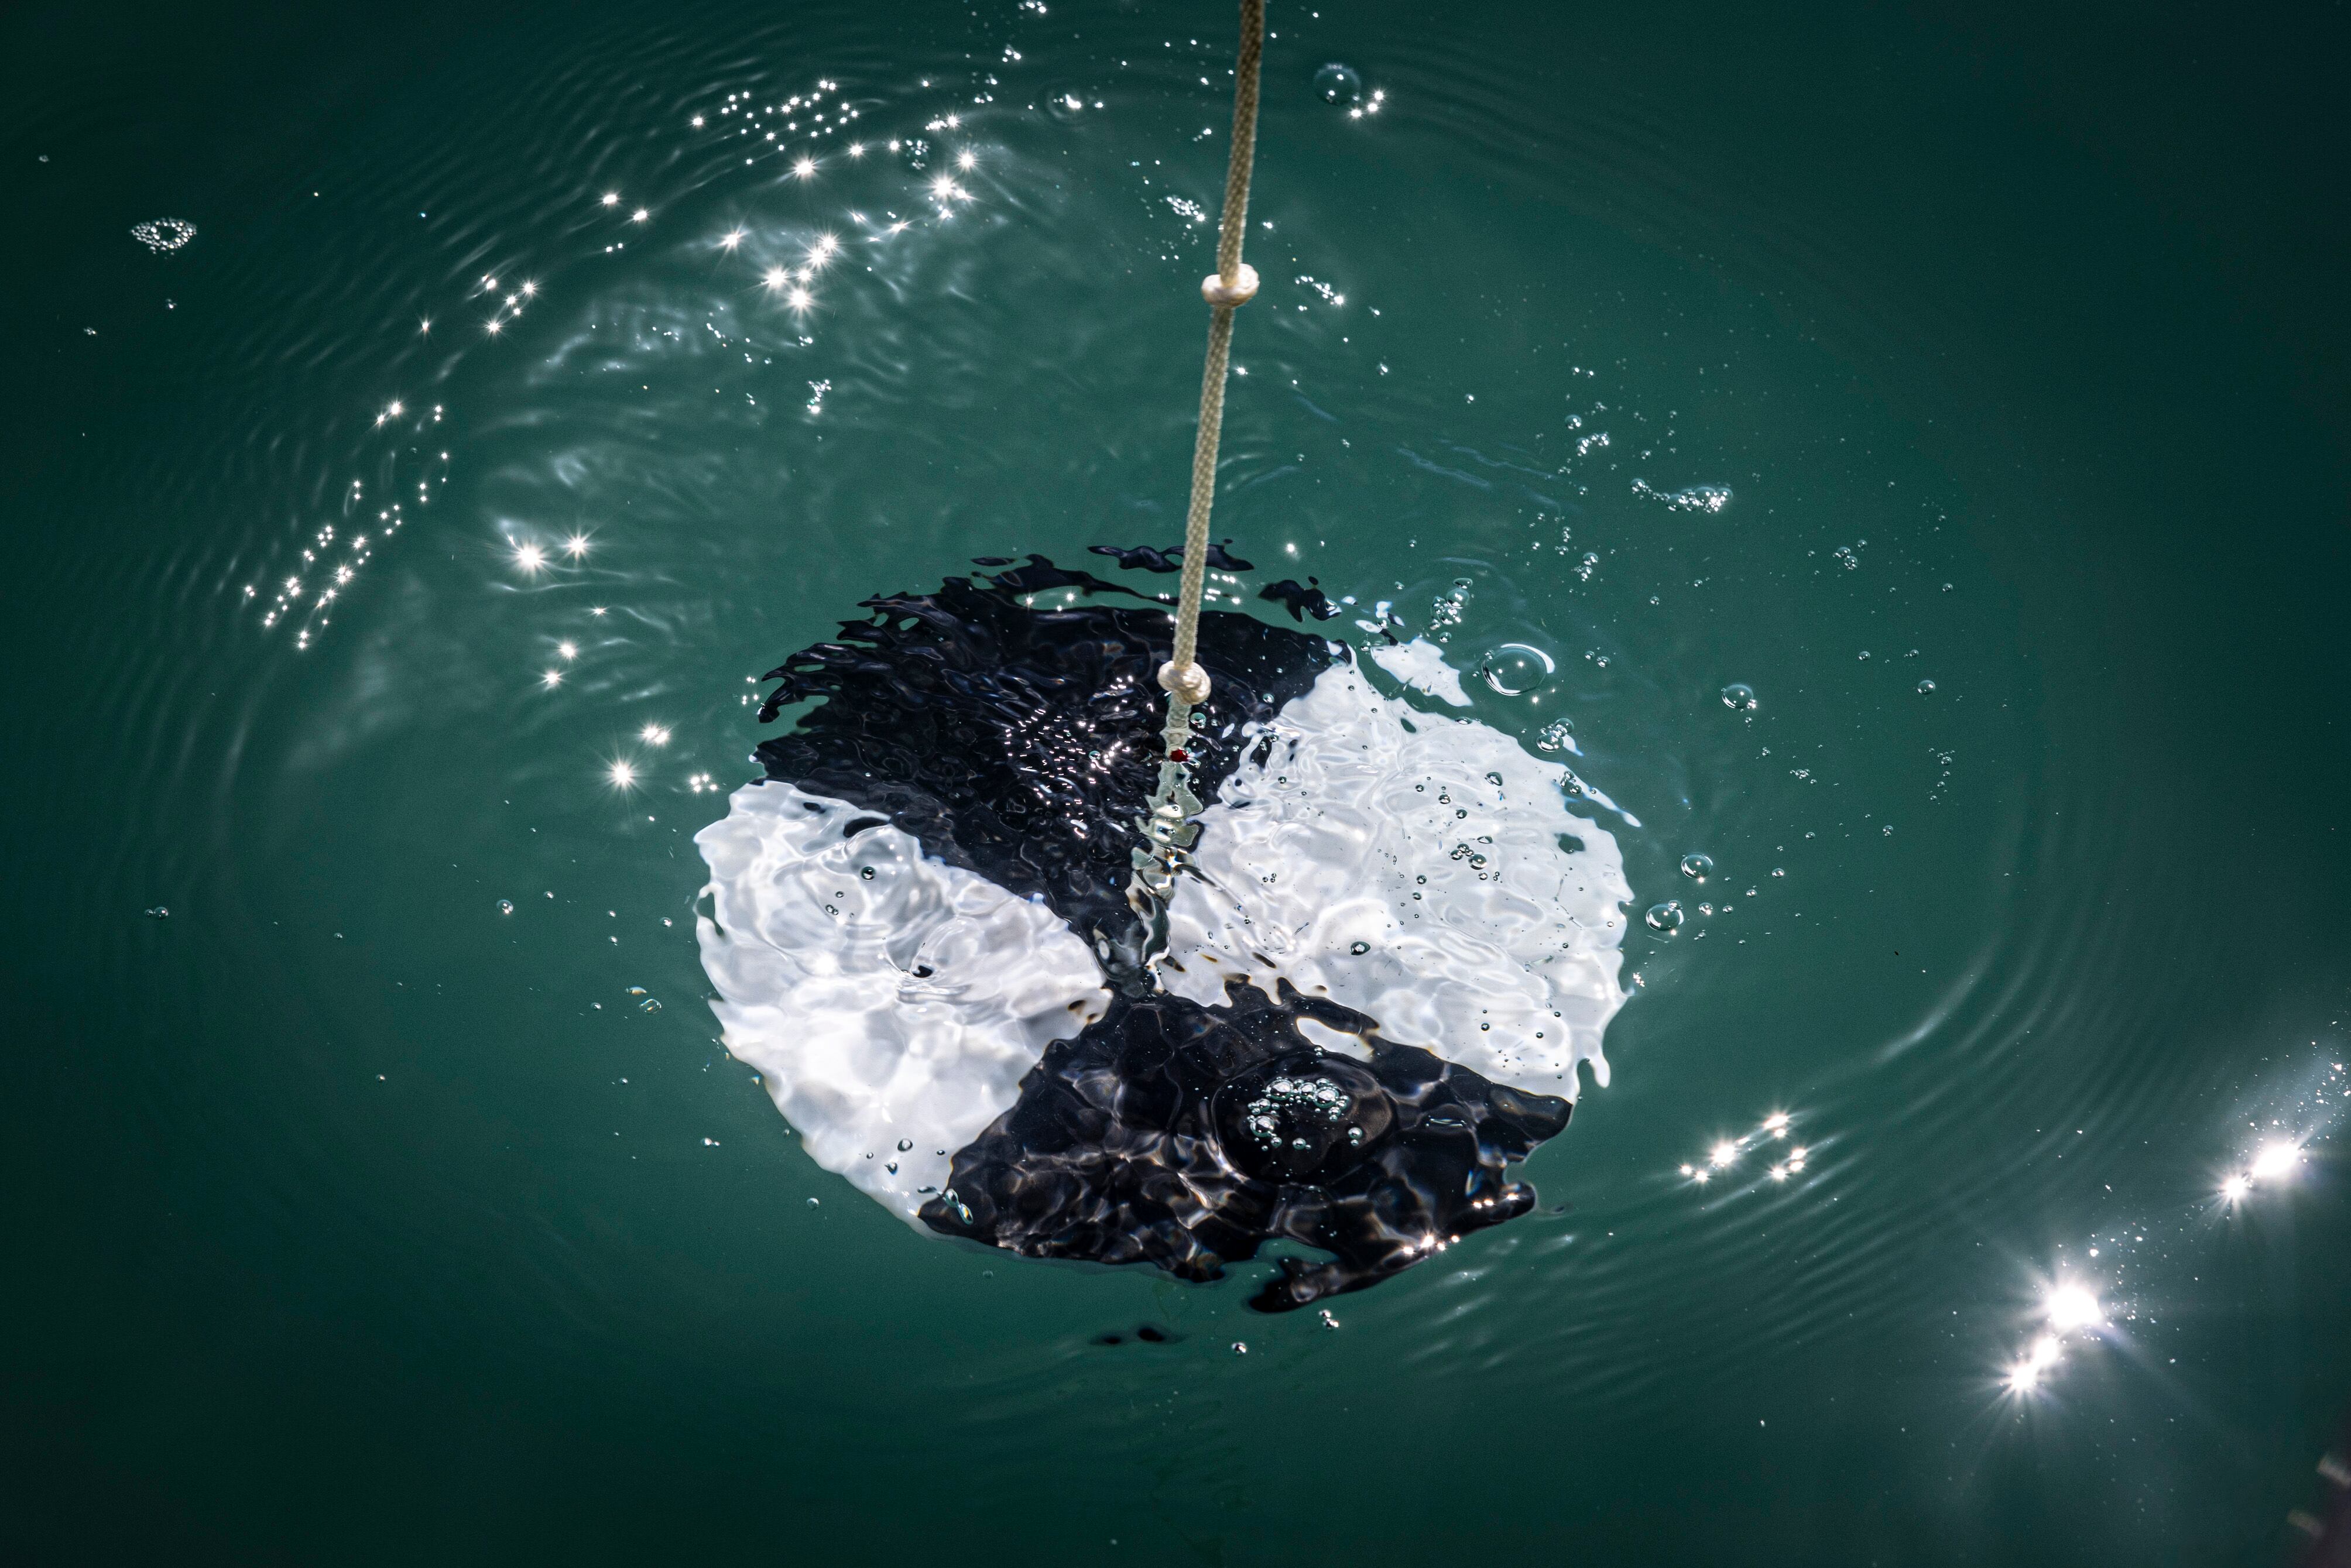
[(1696, 498), (696, 783), (1738, 697), (1596, 658), (1556, 736), (1514, 669), (1925, 687), (164, 234), (1445, 612), (1297, 1096), (1845, 557), (1339, 84), (506, 906), (159, 912), (1586, 567), (1665, 917), (1697, 867)]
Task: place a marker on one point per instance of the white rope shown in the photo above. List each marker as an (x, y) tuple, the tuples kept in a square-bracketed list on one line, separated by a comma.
[(1169, 828), (1232, 285)]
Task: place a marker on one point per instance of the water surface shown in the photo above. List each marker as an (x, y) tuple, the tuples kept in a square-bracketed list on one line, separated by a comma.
[(1968, 391)]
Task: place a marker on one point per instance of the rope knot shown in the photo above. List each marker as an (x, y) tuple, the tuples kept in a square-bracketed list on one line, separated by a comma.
[(1239, 291), (1189, 685)]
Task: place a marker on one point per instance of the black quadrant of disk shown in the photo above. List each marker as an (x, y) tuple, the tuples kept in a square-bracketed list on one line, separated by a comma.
[(1023, 743)]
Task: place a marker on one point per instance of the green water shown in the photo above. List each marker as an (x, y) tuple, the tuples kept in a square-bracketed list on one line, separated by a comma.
[(356, 1219)]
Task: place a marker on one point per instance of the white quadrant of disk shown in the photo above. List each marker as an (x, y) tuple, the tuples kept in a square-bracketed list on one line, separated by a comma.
[(1417, 868), (884, 997)]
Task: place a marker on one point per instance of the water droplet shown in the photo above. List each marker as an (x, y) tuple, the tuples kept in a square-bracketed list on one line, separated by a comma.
[(866, 872), (811, 1203), (1239, 1348), (1359, 948), (1339, 84), (1665, 917), (506, 906), (650, 1005), (1738, 697), (1925, 687), (906, 1144), (1515, 669), (1697, 866)]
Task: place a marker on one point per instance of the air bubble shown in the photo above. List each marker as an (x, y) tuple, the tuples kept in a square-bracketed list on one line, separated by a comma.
[(506, 906), (1554, 736), (866, 872), (1359, 948), (1514, 669), (1738, 697), (1339, 84), (1665, 917), (1925, 687), (1697, 866)]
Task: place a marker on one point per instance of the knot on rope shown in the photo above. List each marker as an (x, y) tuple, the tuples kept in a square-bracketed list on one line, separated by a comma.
[(1187, 684), (1239, 291)]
